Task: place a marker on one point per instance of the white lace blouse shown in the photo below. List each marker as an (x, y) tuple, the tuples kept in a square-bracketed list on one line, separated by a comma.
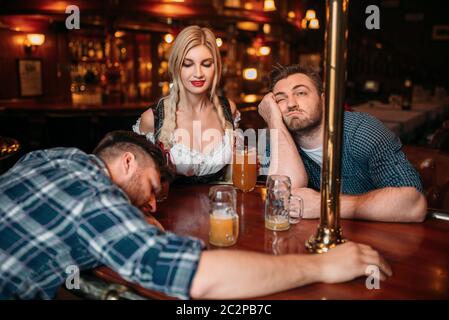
[(190, 162)]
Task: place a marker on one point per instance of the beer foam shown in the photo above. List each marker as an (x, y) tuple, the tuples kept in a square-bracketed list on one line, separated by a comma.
[(223, 214)]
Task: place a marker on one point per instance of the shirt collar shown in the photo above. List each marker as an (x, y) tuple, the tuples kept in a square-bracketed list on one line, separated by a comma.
[(101, 165)]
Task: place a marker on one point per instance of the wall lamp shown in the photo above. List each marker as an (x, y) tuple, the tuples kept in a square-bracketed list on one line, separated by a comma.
[(32, 41)]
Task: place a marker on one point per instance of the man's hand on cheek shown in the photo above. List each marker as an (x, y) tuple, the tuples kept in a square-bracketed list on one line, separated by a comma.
[(269, 109)]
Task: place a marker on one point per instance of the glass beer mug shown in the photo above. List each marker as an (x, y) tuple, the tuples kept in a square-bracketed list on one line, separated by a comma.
[(224, 221), (244, 166), (281, 208)]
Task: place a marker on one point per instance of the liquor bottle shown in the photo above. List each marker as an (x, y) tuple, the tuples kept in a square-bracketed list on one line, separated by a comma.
[(72, 49), (84, 50), (79, 50), (90, 50), (98, 50)]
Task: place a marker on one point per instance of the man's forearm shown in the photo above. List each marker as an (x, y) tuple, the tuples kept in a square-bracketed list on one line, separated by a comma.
[(224, 274), (400, 204), (284, 156)]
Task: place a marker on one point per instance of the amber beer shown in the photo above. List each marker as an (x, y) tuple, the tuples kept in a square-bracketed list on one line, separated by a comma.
[(224, 229), (277, 203), (244, 169), (277, 223)]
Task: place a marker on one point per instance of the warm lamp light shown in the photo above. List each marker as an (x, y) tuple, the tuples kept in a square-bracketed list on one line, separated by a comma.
[(250, 74), (269, 5), (232, 3), (408, 83), (250, 98), (264, 51), (36, 39), (33, 41), (266, 28), (219, 42), (248, 6), (310, 14), (169, 38), (310, 21), (304, 23), (314, 24), (247, 26), (251, 51)]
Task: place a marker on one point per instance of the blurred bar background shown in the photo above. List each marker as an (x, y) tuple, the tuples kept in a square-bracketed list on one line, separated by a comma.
[(62, 87)]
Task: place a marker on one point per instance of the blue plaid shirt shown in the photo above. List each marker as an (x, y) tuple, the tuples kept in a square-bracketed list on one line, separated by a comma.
[(59, 208), (371, 158)]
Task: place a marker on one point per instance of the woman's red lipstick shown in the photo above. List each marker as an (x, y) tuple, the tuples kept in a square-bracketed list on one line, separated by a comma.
[(198, 83)]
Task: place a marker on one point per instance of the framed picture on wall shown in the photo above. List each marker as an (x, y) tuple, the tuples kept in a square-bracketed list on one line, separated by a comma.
[(30, 77)]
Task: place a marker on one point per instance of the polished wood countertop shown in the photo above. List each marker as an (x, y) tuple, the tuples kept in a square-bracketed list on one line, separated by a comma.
[(418, 252)]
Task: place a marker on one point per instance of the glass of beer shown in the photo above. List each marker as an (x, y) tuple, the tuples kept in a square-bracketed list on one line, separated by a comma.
[(224, 221), (244, 168), (281, 208)]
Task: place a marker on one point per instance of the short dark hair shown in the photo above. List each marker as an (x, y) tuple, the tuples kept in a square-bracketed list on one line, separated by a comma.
[(281, 72), (116, 142)]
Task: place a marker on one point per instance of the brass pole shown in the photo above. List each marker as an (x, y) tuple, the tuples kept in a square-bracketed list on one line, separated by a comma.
[(329, 233)]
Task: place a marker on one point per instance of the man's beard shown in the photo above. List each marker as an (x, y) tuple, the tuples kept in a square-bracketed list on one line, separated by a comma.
[(306, 124), (133, 189)]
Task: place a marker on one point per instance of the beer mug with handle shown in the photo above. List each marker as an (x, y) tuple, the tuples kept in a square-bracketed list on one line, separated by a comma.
[(281, 208)]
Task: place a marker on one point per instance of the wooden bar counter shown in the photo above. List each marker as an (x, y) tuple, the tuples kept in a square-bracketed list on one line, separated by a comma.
[(418, 253)]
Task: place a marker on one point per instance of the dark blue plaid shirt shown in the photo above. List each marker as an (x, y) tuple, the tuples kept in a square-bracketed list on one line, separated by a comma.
[(372, 158), (59, 208)]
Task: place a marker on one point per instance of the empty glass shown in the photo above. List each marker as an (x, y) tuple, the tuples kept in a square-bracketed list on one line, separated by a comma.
[(281, 208)]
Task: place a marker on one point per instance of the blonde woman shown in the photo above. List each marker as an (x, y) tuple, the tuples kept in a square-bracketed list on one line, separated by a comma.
[(193, 124)]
